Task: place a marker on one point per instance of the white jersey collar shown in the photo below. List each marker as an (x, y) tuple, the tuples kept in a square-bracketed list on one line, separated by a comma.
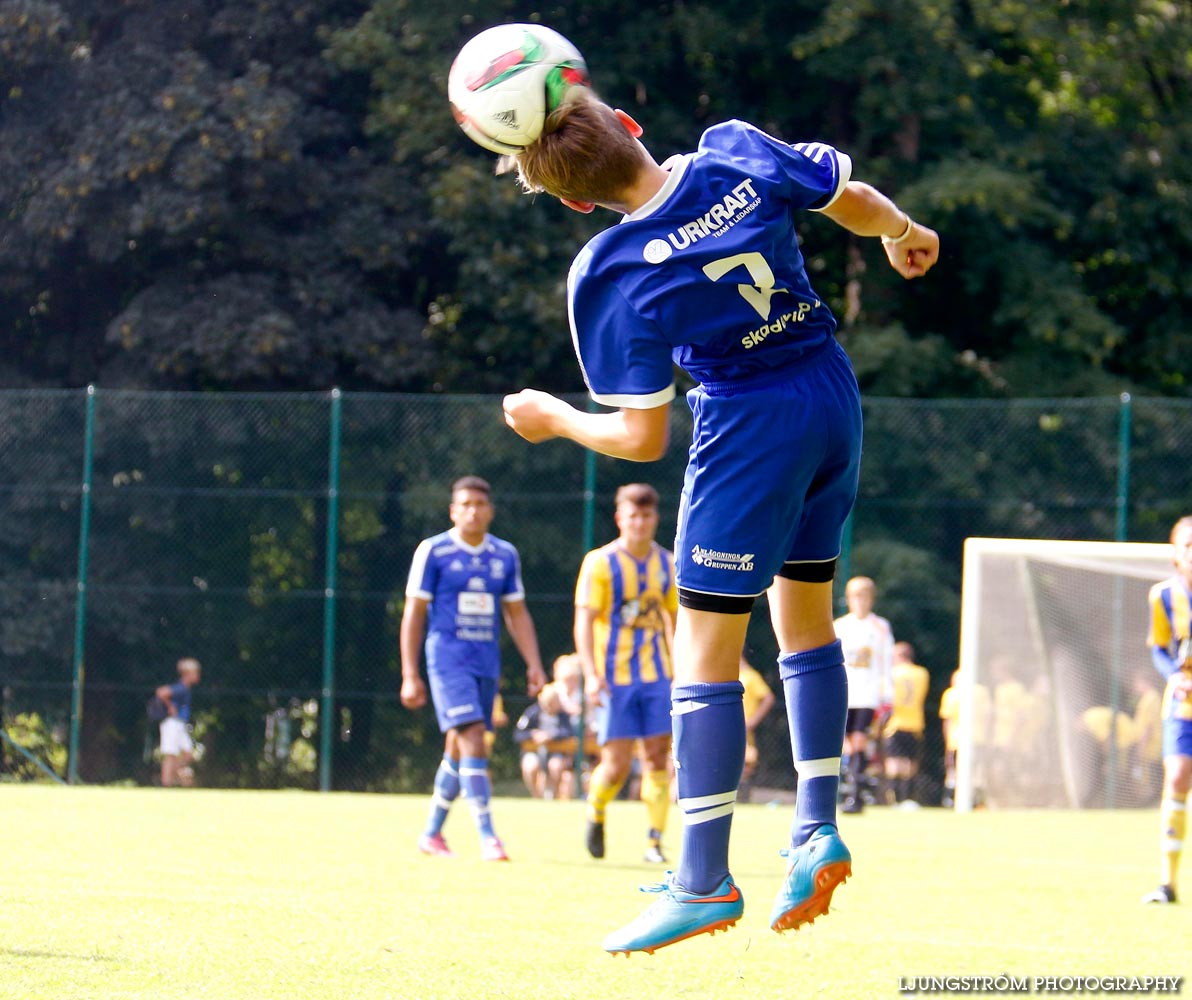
[(676, 167), (474, 549)]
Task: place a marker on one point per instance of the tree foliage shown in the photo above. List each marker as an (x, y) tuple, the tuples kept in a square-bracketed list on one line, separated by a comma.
[(208, 194)]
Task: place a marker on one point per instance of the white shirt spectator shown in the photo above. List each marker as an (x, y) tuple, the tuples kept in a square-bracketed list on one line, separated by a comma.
[(868, 645)]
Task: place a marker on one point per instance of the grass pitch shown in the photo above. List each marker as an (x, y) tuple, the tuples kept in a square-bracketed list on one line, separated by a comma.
[(165, 895)]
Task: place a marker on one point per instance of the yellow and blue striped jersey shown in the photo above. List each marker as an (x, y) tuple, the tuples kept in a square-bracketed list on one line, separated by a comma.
[(630, 601), (1171, 622)]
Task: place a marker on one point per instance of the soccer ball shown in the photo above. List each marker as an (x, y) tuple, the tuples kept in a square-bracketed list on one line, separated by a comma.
[(507, 79)]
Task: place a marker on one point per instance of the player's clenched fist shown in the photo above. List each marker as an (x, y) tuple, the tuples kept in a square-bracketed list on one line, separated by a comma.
[(913, 254), (413, 692), (531, 414)]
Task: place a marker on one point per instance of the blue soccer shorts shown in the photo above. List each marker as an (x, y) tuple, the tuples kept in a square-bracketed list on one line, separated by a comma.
[(1177, 737), (462, 698), (771, 476), (635, 711)]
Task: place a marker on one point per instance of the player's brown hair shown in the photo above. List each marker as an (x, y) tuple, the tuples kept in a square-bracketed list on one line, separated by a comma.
[(583, 154), (1181, 523), (638, 494), (472, 483)]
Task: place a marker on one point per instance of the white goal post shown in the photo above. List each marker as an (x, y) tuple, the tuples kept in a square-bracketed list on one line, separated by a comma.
[(1053, 669)]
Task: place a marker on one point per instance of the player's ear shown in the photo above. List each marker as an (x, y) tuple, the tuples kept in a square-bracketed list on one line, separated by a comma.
[(631, 126), (583, 207)]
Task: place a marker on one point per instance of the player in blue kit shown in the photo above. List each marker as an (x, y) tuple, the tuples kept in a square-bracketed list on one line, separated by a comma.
[(462, 582), (705, 271)]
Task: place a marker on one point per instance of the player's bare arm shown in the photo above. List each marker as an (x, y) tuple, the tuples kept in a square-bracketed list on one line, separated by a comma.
[(525, 638), (668, 633), (911, 248), (635, 435), (413, 629), (594, 682)]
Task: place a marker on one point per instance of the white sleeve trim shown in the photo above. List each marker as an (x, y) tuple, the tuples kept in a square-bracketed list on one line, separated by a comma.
[(649, 402), (418, 570), (513, 598), (584, 255), (844, 166)]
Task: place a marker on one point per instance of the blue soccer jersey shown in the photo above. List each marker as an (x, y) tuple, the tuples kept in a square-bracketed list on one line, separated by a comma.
[(465, 586), (708, 273), (180, 696)]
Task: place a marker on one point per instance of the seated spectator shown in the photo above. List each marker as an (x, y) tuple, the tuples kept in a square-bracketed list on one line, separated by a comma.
[(568, 678), (1094, 728), (1146, 768), (547, 740)]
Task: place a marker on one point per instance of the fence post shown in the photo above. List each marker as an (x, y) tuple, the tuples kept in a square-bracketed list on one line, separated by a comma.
[(327, 711), (1121, 531), (76, 691), (588, 533), (1125, 422)]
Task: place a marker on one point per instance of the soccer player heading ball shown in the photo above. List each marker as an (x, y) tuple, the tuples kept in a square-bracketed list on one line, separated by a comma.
[(705, 271)]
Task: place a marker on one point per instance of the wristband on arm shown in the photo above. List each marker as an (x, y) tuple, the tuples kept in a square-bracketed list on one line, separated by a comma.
[(891, 241)]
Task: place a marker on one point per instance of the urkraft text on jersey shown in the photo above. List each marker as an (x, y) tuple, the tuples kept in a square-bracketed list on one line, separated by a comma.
[(724, 213), (755, 337)]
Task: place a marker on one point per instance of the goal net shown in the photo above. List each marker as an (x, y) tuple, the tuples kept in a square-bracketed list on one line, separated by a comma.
[(1057, 695)]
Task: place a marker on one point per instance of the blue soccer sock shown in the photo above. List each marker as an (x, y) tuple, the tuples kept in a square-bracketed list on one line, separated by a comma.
[(709, 730), (446, 791), (816, 691), (473, 775)]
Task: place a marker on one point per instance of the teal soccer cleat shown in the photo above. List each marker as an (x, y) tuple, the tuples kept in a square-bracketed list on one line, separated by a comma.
[(678, 914), (816, 869)]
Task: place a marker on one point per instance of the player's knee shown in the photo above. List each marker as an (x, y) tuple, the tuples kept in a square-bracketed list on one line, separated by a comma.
[(470, 739), (616, 770), (1179, 775), (655, 752)]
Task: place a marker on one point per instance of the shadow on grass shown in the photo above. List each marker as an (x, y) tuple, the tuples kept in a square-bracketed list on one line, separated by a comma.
[(33, 953)]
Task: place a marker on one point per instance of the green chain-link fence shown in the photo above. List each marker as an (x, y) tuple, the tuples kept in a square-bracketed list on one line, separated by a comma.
[(269, 535)]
